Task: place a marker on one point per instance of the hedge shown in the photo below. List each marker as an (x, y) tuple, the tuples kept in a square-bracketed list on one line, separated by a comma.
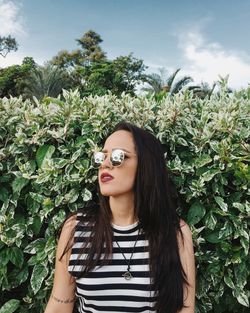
[(45, 173)]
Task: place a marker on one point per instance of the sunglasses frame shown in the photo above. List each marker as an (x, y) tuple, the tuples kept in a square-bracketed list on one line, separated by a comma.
[(110, 158)]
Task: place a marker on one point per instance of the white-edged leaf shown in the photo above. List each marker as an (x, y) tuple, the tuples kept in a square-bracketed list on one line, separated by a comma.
[(202, 160), (242, 299), (221, 203), (39, 273), (86, 195), (208, 175), (10, 306), (44, 153), (228, 281), (36, 245)]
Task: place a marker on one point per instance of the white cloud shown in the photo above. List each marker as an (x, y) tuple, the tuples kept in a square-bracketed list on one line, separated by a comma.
[(10, 20), (17, 58), (12, 58), (205, 61)]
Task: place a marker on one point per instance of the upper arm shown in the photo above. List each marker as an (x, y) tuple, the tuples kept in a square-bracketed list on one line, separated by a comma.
[(186, 252), (63, 292)]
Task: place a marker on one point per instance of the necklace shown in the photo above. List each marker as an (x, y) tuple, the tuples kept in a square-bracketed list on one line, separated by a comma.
[(127, 275)]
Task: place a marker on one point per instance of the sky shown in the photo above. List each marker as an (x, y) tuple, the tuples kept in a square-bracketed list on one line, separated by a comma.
[(206, 39)]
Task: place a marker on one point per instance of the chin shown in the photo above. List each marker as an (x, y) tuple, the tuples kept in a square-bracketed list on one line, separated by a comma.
[(107, 193)]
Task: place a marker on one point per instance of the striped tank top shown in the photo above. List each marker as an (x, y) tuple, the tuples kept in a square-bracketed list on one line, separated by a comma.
[(105, 289)]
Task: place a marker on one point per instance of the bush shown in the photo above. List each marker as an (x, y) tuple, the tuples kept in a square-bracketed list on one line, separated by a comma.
[(45, 171)]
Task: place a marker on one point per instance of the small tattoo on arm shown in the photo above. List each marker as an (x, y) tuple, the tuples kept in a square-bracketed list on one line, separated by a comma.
[(62, 301)]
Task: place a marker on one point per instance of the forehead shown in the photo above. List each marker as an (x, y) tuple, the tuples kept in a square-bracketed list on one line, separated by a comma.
[(120, 139)]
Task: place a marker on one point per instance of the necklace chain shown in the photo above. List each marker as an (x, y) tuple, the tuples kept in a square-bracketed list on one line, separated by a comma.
[(127, 275)]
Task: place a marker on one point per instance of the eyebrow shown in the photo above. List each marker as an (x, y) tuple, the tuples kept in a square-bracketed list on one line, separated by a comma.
[(105, 150)]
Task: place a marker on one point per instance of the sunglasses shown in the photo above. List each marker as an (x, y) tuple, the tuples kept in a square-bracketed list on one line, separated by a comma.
[(116, 158)]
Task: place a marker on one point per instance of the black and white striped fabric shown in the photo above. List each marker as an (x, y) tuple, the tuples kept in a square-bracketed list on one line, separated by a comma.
[(105, 289)]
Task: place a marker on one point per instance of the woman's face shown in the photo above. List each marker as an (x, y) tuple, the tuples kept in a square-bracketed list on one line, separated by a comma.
[(117, 181)]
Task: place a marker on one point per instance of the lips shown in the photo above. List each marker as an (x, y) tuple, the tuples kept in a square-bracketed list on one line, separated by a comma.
[(105, 177)]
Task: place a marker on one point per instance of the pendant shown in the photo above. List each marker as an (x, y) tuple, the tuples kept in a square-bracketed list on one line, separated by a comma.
[(127, 275)]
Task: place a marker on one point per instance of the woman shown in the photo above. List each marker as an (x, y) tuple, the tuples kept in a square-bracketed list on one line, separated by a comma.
[(132, 253)]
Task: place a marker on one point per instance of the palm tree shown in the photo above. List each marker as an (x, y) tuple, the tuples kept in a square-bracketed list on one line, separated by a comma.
[(48, 80), (203, 90), (158, 83)]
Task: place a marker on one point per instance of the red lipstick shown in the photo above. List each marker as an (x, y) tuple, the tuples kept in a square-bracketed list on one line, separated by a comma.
[(105, 177)]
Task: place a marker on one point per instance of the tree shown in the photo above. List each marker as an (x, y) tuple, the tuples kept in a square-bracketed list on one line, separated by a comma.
[(93, 73), (12, 78), (120, 75), (67, 60), (158, 83), (90, 45), (203, 90), (48, 80), (7, 44), (90, 51)]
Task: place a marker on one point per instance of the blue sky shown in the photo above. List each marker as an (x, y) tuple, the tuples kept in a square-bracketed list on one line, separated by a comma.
[(204, 38)]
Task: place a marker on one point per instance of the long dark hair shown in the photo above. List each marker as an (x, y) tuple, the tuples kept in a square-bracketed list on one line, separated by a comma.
[(156, 209)]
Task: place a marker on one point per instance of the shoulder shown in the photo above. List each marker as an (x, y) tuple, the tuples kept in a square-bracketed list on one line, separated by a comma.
[(69, 225), (66, 237), (184, 235), (185, 228)]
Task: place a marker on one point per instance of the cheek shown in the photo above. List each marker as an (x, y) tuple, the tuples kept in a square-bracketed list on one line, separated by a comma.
[(123, 182)]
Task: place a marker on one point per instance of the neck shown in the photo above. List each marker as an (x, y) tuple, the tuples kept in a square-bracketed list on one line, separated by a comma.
[(122, 209)]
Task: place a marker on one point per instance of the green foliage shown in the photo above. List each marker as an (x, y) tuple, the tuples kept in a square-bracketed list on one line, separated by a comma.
[(160, 85), (90, 51), (120, 75), (45, 173), (90, 44), (93, 74), (13, 78), (44, 81)]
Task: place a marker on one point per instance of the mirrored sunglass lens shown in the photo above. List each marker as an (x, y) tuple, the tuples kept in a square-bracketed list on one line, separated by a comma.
[(117, 157), (98, 159)]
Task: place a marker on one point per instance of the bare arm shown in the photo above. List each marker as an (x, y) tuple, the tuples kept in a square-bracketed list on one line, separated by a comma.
[(188, 263), (62, 297)]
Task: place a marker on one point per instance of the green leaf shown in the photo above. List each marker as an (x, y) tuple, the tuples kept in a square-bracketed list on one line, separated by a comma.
[(18, 184), (16, 256), (4, 194), (225, 246), (213, 237), (10, 306), (241, 297), (4, 256), (36, 225), (35, 246), (241, 274), (221, 203), (39, 273), (60, 163), (245, 244), (210, 220), (37, 197), (195, 213), (182, 142), (228, 281), (17, 276), (72, 196), (209, 175), (43, 153), (76, 155), (239, 206), (86, 195), (202, 160), (226, 230)]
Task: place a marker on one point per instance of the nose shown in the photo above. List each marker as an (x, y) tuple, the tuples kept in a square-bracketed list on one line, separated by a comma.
[(106, 163)]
